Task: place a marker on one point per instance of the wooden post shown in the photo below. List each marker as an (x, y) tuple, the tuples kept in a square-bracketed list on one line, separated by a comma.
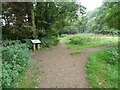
[(34, 47), (38, 46)]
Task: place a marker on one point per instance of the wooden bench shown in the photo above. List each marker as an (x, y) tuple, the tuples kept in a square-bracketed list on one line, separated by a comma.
[(36, 42)]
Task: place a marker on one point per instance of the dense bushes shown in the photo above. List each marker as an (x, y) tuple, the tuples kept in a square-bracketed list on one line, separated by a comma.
[(48, 42), (16, 58), (15, 32), (26, 32), (28, 42), (69, 30)]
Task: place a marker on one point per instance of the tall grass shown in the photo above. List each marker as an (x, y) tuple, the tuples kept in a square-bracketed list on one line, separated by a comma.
[(80, 41)]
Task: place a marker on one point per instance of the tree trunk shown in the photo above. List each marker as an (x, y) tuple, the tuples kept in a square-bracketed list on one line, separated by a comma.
[(33, 18), (35, 35)]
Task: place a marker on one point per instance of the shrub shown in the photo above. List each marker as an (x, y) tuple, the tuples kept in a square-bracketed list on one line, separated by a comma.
[(113, 53), (25, 31), (49, 42), (79, 40), (69, 30), (16, 59), (63, 35), (21, 32), (28, 42)]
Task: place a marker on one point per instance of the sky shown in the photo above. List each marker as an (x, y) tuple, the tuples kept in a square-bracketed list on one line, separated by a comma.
[(91, 4)]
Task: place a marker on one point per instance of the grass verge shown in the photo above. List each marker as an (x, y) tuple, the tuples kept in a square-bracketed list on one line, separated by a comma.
[(29, 79), (100, 72)]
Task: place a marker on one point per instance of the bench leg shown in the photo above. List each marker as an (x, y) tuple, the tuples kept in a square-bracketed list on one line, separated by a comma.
[(38, 46), (33, 47)]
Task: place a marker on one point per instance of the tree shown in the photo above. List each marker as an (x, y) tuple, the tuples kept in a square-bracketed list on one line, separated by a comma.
[(104, 19), (49, 14), (19, 17), (26, 19), (112, 18)]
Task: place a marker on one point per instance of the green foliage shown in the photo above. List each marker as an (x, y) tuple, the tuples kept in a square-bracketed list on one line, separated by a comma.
[(57, 15), (101, 73), (43, 20), (24, 31), (88, 40), (75, 53), (1, 50), (104, 20), (69, 30), (18, 20), (28, 42), (16, 59), (28, 80), (49, 41), (51, 17), (112, 17), (113, 53), (80, 40)]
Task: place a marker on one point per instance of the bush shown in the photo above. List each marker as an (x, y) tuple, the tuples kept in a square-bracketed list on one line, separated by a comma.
[(49, 42), (113, 53), (21, 32), (28, 42), (25, 31), (79, 40), (69, 30), (63, 35), (16, 59)]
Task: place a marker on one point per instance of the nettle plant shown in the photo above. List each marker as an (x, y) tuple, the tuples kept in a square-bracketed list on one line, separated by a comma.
[(16, 59)]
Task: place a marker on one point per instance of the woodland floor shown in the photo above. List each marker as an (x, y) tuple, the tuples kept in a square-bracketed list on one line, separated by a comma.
[(59, 69)]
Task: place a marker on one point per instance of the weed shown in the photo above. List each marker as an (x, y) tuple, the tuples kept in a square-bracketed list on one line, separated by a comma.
[(75, 53)]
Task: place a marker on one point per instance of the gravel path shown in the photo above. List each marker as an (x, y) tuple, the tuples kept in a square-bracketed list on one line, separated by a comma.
[(59, 69)]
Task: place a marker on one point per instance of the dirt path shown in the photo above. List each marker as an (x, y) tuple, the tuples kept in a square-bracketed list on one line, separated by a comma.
[(59, 69)]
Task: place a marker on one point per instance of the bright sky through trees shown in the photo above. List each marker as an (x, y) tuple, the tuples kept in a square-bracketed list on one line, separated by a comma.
[(91, 4)]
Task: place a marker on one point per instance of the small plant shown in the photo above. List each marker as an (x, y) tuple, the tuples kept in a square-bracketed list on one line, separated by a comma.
[(75, 53)]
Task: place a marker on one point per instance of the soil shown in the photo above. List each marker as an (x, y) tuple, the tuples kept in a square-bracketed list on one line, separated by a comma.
[(59, 69)]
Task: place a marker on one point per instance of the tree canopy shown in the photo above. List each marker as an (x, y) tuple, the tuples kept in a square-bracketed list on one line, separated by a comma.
[(33, 20), (104, 19)]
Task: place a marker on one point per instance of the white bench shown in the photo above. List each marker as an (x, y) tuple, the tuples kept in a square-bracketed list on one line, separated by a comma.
[(36, 42)]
